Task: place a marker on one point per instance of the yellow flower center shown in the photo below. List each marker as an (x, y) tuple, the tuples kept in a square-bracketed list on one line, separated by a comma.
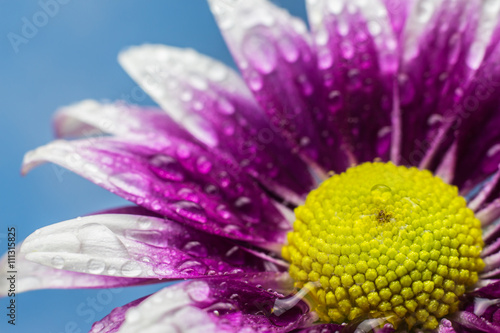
[(385, 241)]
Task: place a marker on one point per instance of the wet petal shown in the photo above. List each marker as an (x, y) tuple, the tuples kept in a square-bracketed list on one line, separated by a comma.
[(212, 102), (445, 326), (112, 322), (357, 61), (88, 118), (33, 276), (433, 70), (470, 321), (176, 179), (273, 52), (135, 246), (213, 306)]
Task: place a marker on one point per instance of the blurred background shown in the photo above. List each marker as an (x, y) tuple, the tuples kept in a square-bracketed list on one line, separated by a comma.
[(70, 57)]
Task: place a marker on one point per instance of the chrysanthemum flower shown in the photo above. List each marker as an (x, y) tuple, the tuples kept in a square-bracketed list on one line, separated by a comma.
[(393, 106)]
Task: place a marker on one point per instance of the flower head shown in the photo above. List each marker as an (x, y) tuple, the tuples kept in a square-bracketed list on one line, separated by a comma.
[(348, 181)]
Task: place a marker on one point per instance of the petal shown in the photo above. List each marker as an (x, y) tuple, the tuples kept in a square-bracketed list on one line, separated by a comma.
[(176, 179), (112, 322), (33, 276), (273, 52), (357, 61), (213, 306), (322, 328), (489, 213), (89, 117), (219, 111), (445, 326), (137, 246), (488, 289), (471, 321), (433, 69)]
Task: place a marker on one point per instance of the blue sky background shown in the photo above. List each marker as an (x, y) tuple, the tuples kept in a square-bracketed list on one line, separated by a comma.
[(70, 58)]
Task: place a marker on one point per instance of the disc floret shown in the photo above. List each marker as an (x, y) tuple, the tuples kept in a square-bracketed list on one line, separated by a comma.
[(385, 241)]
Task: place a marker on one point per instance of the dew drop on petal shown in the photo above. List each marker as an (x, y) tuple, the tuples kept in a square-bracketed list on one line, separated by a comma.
[(254, 80), (95, 266), (192, 267), (224, 106), (288, 49), (198, 291), (260, 51), (166, 167), (203, 165), (131, 269), (57, 262), (195, 249), (190, 210)]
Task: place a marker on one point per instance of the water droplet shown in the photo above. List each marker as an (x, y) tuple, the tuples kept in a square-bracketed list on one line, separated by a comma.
[(183, 151), (133, 315), (224, 106), (131, 269), (198, 82), (96, 266), (190, 210), (347, 49), (192, 267), (325, 58), (223, 212), (198, 291), (217, 72), (242, 201), (260, 51), (186, 96), (374, 28), (166, 167), (151, 237), (424, 10), (254, 80), (203, 165), (195, 249), (321, 37), (57, 262), (335, 7), (235, 256), (288, 49), (143, 222), (306, 86), (381, 188)]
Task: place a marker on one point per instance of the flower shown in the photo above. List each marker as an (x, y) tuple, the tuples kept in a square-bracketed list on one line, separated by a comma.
[(375, 246)]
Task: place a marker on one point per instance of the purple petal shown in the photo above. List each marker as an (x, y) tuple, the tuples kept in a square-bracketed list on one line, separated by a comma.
[(214, 104), (445, 326), (357, 61), (488, 289), (217, 305), (322, 328), (487, 193), (398, 12), (88, 118), (33, 276), (437, 39), (273, 52), (112, 322), (489, 213), (176, 179), (471, 321), (136, 246)]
